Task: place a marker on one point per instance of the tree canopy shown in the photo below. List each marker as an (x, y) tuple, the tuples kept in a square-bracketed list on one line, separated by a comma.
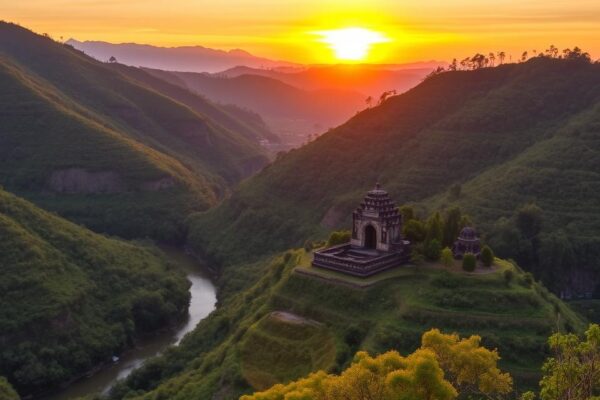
[(443, 367)]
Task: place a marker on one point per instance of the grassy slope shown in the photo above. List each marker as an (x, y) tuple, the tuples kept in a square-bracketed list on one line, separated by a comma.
[(70, 298), (507, 134), (239, 344), (55, 89)]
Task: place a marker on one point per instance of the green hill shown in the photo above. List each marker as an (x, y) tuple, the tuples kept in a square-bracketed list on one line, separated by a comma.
[(286, 323), (490, 140), (70, 298), (107, 149)]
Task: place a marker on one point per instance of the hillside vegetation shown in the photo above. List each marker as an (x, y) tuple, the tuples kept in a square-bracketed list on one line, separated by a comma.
[(110, 149), (286, 323), (70, 298), (491, 141)]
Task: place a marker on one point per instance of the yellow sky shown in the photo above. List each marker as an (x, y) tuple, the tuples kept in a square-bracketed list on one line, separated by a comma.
[(280, 29)]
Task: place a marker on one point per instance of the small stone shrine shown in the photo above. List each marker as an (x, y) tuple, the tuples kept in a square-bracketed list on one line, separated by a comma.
[(467, 242)]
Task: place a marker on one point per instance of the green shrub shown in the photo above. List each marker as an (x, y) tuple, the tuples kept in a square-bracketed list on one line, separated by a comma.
[(338, 237), (433, 250), (469, 262), (527, 280), (414, 230), (6, 391), (447, 257), (508, 276), (487, 256), (308, 245)]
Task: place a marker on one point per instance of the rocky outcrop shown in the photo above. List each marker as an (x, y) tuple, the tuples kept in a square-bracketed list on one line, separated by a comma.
[(79, 180)]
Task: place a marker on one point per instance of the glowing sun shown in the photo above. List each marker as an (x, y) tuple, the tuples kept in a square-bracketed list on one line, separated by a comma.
[(351, 44)]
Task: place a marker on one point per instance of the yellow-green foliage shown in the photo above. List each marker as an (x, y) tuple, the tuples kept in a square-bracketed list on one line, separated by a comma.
[(572, 372), (6, 391), (447, 258), (278, 350), (442, 368), (467, 365), (70, 299), (338, 237)]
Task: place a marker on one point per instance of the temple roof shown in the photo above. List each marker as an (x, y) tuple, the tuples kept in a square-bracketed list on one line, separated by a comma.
[(467, 233), (378, 201)]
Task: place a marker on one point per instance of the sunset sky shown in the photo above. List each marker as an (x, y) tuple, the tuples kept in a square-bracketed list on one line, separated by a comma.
[(409, 30)]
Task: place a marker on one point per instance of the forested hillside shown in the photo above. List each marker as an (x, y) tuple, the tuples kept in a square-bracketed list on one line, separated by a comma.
[(70, 299), (276, 324), (108, 149), (491, 140)]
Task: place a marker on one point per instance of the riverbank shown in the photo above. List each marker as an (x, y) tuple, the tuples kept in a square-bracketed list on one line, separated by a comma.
[(202, 303)]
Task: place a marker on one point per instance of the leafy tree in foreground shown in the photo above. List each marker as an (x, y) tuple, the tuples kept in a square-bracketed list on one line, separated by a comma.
[(421, 375), (447, 257), (573, 373), (470, 368), (487, 256), (469, 262)]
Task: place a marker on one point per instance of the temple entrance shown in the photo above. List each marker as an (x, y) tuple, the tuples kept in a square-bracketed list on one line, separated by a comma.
[(370, 237)]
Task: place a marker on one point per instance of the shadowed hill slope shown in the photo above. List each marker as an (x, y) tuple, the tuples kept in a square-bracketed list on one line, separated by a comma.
[(250, 126), (510, 135), (104, 149), (70, 298)]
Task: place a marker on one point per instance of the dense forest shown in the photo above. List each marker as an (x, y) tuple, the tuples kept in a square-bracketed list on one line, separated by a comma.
[(70, 299)]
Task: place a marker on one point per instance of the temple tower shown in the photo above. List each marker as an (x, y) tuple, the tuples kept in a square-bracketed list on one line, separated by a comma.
[(377, 223)]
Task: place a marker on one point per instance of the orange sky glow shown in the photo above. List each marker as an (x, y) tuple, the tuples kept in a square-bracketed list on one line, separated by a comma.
[(389, 31)]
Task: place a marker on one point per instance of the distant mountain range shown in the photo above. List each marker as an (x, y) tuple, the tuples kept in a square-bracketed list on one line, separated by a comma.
[(295, 100), (188, 58), (367, 79)]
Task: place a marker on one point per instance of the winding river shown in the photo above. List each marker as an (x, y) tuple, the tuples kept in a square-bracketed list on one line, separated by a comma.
[(203, 300)]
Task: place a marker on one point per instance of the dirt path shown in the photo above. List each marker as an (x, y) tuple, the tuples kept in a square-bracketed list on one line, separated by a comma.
[(289, 317)]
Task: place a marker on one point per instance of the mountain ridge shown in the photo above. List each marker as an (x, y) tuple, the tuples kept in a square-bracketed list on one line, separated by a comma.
[(179, 58), (445, 132)]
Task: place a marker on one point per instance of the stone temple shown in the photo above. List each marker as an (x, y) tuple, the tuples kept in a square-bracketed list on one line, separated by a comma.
[(376, 244)]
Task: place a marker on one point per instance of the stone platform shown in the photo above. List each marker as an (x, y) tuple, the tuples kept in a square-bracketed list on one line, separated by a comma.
[(357, 261)]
